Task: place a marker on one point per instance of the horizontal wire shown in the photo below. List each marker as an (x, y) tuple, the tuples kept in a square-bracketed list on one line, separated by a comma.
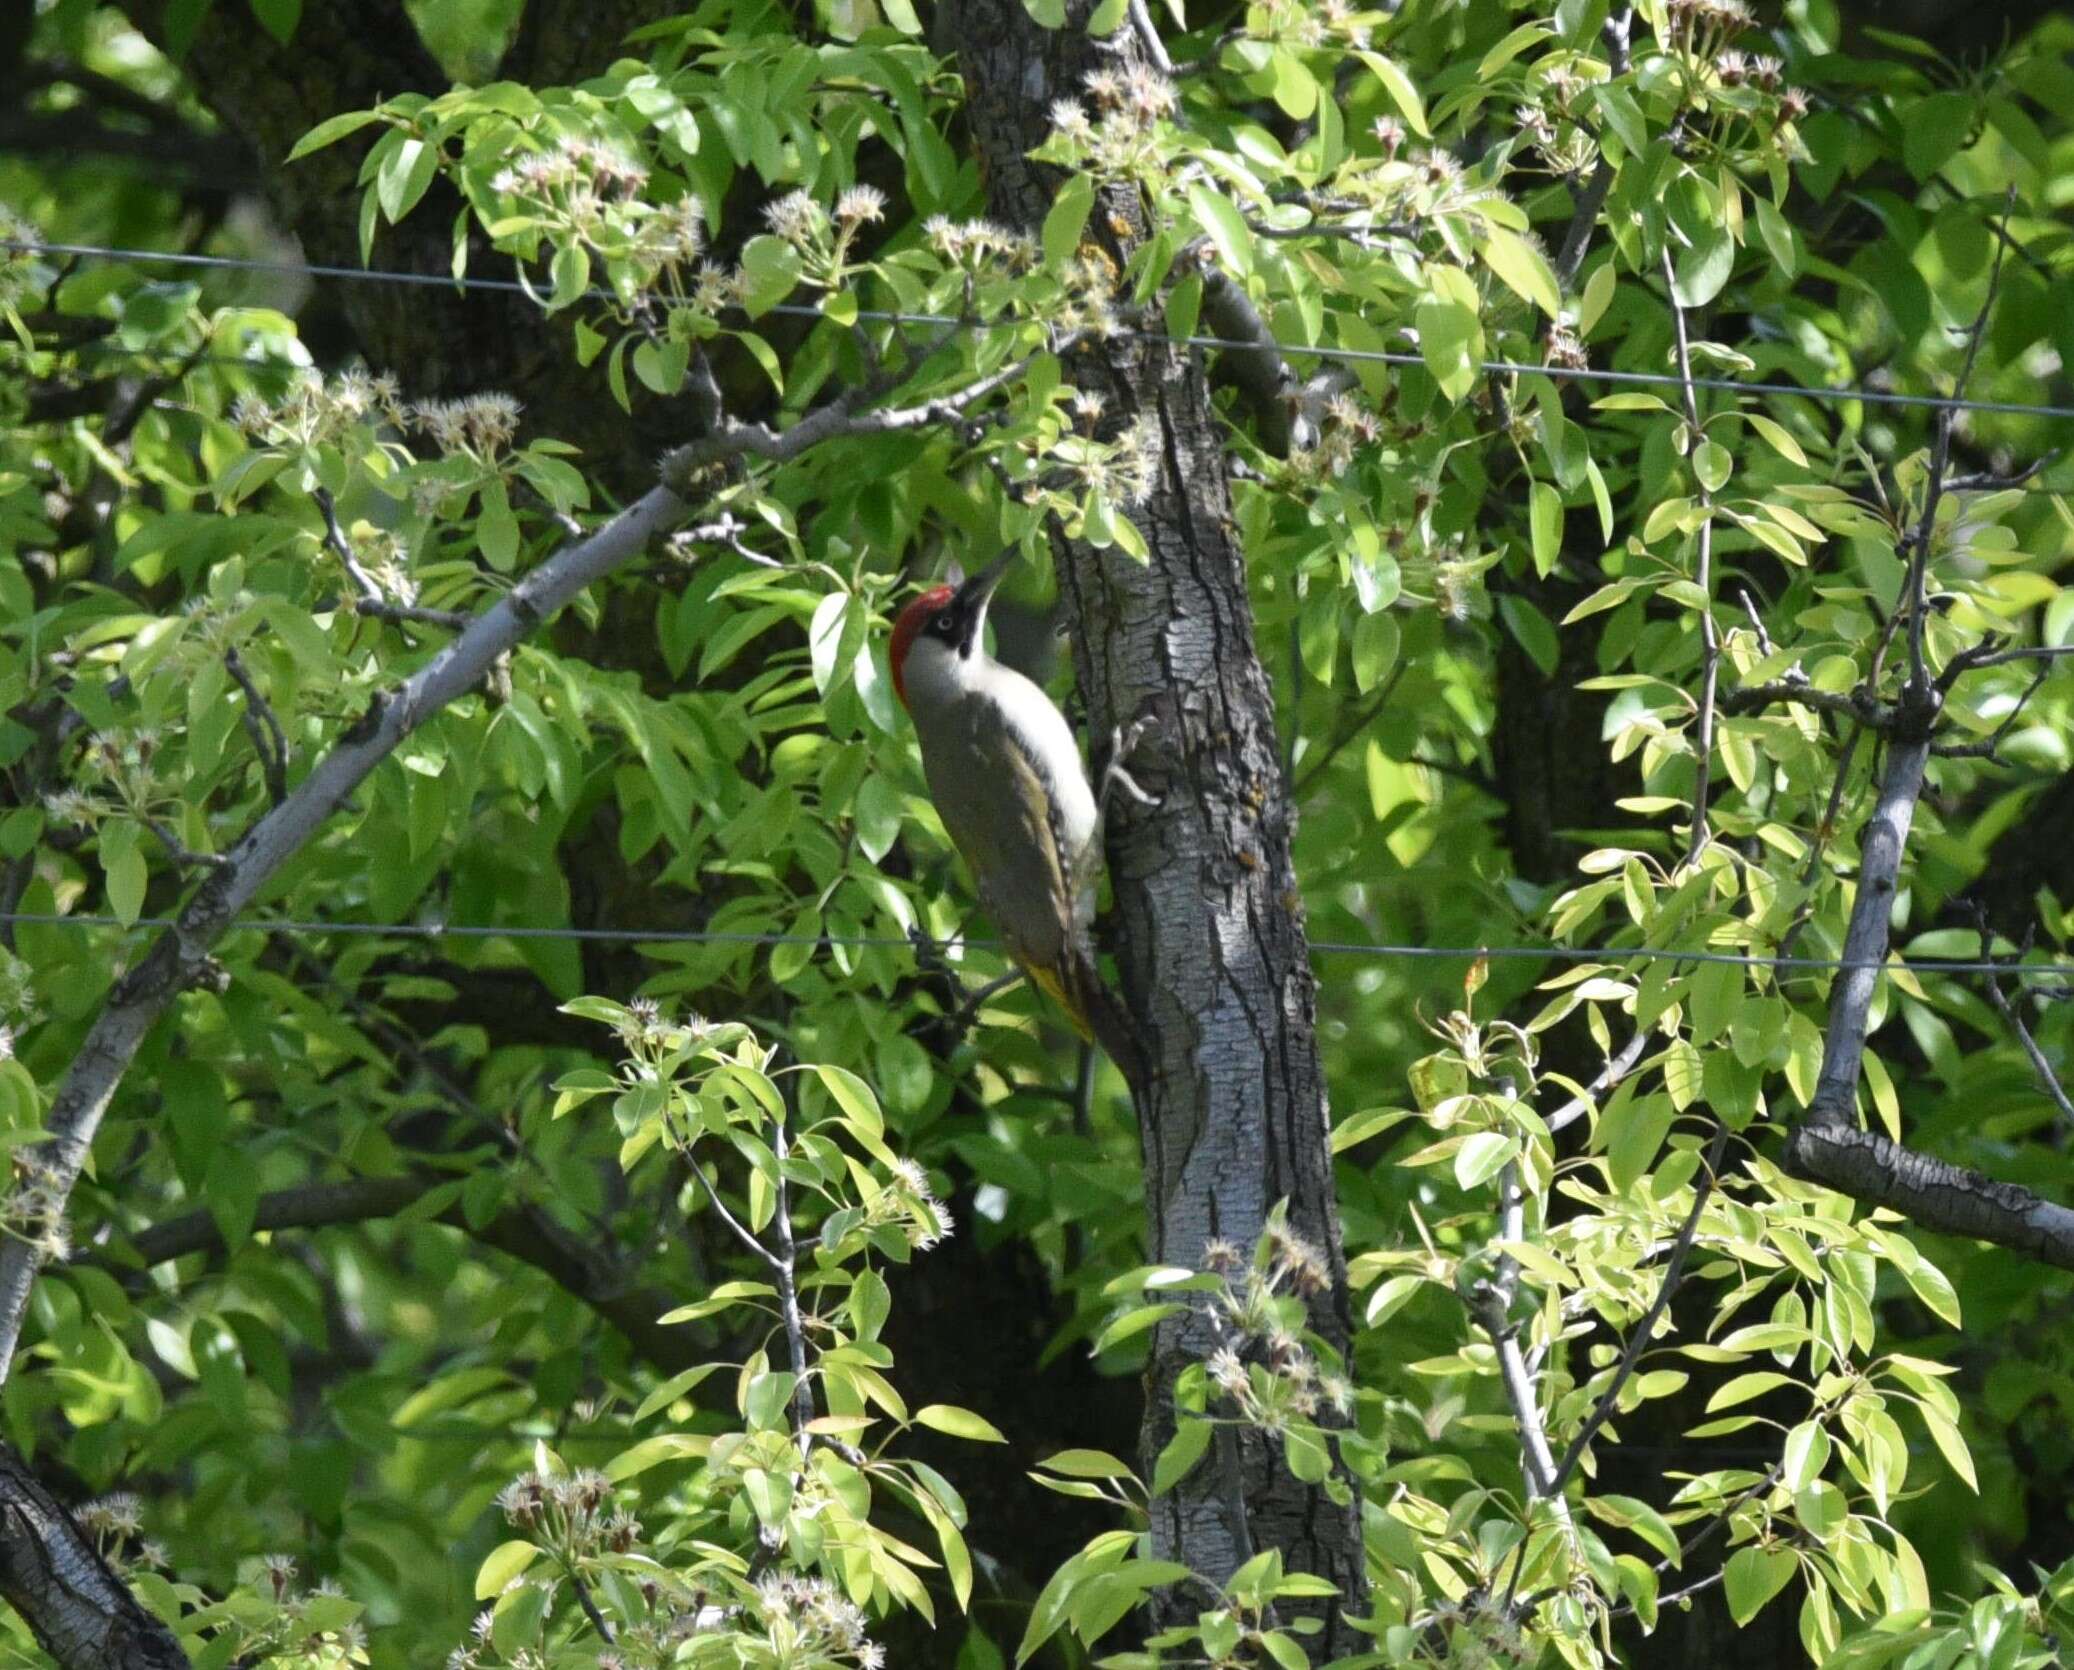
[(1334, 948), (1350, 356)]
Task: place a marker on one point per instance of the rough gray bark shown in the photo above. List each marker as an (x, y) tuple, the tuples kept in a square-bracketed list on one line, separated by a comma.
[(82, 1614), (1208, 927)]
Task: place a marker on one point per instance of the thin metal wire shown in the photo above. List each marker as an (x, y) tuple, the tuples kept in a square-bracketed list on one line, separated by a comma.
[(1347, 356), (1323, 948)]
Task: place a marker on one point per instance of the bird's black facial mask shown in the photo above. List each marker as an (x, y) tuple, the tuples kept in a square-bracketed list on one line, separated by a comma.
[(964, 618)]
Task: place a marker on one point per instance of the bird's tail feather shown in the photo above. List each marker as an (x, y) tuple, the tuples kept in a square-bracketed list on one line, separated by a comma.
[(1096, 1012)]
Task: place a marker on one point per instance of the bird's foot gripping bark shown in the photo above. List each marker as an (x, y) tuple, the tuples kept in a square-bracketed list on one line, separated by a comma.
[(1087, 865), (1123, 743)]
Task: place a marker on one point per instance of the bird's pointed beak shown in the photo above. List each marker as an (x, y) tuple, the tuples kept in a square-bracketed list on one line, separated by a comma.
[(977, 591)]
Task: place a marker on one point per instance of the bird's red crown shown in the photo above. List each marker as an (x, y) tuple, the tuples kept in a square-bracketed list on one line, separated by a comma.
[(907, 628)]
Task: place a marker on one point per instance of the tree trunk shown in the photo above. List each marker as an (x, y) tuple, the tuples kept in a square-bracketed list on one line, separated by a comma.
[(1208, 928)]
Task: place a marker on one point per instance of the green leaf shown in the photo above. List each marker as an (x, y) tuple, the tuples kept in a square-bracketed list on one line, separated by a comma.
[(1933, 129), (1403, 91), (1524, 269), (1481, 1156), (506, 1561), (569, 275), (331, 130), (854, 1097), (1951, 1444), (1177, 1460), (959, 1423), (1775, 434), (122, 861), (405, 173), (1754, 1576), (770, 273), (1065, 220), (1225, 227), (1704, 266), (1545, 522), (1713, 465), (1087, 1464), (1451, 343), (278, 17)]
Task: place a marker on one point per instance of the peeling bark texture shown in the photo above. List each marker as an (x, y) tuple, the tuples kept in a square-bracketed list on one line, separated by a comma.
[(1208, 928), (82, 1614), (1931, 1193)]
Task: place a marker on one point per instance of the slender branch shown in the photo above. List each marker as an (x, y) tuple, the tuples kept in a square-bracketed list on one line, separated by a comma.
[(2041, 1069), (590, 1607), (269, 741), (1967, 661), (1703, 577), (1824, 831), (185, 857), (1615, 32), (368, 599), (1988, 746), (1859, 704), (1866, 936), (1941, 463), (1358, 722), (1492, 1306), (1639, 1336), (741, 1230), (1148, 38), (1616, 1069), (1985, 481), (181, 952), (786, 1263)]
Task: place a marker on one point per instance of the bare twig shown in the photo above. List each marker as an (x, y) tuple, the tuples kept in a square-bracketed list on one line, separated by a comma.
[(1639, 1335), (368, 599), (2041, 1069), (740, 1230), (786, 1263), (181, 854), (1988, 746), (1940, 464), (1984, 481), (1985, 655), (1616, 1069), (1154, 48), (1703, 577), (269, 741), (590, 1607), (1358, 722), (1858, 703)]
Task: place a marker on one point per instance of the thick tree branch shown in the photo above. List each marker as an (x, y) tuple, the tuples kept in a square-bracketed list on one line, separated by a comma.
[(79, 1610), (521, 1233)]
